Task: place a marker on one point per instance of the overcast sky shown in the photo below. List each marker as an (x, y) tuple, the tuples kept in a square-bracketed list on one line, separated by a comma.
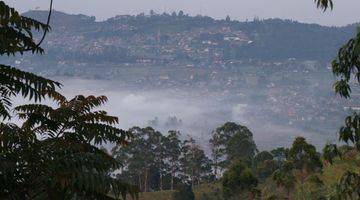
[(345, 12)]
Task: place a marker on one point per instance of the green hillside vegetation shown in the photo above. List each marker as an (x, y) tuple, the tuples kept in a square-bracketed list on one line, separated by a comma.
[(330, 176)]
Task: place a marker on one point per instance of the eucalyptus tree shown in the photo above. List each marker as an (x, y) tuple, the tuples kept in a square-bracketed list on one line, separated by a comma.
[(173, 149), (231, 142), (305, 160), (195, 165), (144, 153)]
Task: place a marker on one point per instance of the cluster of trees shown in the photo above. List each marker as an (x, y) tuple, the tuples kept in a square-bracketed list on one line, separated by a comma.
[(237, 166), (153, 161), (288, 173)]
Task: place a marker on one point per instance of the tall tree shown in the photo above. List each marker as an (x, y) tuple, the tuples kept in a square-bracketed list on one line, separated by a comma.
[(231, 142), (217, 153), (143, 154), (195, 165), (305, 160), (173, 148)]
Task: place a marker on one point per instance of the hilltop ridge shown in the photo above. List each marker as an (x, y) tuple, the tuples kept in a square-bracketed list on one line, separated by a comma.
[(178, 38)]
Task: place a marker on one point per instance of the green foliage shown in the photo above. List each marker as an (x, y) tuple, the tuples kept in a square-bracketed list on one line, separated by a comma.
[(231, 142), (238, 179), (284, 177), (303, 156), (347, 65), (330, 151), (153, 161), (15, 82), (173, 152), (350, 132), (194, 164), (263, 156), (348, 188), (144, 152), (279, 153), (55, 151), (183, 192), (265, 164)]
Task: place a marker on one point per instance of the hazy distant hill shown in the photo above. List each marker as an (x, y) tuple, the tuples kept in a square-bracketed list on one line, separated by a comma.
[(178, 38), (270, 72)]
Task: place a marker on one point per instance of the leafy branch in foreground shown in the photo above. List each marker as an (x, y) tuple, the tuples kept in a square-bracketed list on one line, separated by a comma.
[(16, 37), (16, 31), (53, 154), (15, 82), (347, 66)]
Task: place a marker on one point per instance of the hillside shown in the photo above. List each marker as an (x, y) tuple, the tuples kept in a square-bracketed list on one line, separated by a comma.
[(179, 39)]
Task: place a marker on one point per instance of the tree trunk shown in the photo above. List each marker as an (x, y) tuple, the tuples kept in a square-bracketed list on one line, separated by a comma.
[(302, 181), (216, 170), (250, 195), (146, 181), (140, 189), (161, 182), (172, 181)]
